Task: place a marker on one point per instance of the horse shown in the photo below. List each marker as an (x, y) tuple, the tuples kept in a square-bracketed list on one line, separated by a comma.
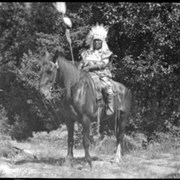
[(81, 101)]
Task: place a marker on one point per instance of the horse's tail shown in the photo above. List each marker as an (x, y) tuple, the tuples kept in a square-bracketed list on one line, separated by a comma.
[(128, 100), (117, 113), (122, 107)]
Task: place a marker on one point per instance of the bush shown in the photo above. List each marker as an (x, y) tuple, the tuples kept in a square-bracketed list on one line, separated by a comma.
[(25, 109), (144, 36), (5, 128)]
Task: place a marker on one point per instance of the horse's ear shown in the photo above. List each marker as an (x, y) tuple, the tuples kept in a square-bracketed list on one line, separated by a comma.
[(45, 56), (54, 59)]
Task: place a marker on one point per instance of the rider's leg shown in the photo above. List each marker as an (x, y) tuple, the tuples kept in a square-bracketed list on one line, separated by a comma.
[(109, 109), (109, 91)]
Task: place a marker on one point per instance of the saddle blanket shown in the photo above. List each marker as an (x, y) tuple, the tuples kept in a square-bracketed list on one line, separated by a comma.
[(98, 86)]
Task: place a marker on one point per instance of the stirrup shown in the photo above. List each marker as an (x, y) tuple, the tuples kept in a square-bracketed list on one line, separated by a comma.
[(109, 111)]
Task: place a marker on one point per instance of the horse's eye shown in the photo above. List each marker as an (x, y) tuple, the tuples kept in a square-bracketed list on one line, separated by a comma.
[(49, 71)]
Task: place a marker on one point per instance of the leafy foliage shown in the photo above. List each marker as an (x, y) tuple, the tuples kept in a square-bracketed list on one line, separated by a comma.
[(144, 36)]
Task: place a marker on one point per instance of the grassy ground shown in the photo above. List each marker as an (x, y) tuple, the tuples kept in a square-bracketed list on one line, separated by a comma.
[(159, 160)]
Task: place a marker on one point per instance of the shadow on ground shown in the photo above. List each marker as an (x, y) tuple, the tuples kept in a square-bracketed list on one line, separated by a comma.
[(172, 176), (57, 161)]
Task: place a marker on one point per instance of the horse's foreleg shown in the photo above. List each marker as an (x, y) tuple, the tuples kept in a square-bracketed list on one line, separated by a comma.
[(70, 127), (120, 140), (86, 141)]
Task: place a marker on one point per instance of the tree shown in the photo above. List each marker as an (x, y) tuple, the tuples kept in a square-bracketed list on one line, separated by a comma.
[(145, 36)]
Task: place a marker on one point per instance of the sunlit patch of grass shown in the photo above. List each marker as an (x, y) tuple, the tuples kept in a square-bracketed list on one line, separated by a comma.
[(58, 136), (6, 149), (177, 166), (154, 155), (51, 150), (135, 166), (105, 146), (1, 173), (48, 150), (49, 145), (176, 151), (172, 176), (162, 146)]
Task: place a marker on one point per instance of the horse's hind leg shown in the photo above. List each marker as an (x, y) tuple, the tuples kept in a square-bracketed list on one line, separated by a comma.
[(120, 138), (86, 141)]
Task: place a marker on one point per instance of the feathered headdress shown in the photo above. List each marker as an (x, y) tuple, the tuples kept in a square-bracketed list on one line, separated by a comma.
[(97, 32)]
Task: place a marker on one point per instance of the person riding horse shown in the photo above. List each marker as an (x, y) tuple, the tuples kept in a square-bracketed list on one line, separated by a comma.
[(95, 60), (81, 99)]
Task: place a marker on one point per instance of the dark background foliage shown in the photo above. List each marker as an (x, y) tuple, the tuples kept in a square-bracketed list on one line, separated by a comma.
[(144, 36)]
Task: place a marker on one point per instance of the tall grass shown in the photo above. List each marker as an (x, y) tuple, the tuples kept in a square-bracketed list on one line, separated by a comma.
[(1, 173), (51, 150)]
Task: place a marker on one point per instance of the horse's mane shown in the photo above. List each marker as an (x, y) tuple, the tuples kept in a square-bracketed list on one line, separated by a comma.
[(73, 75)]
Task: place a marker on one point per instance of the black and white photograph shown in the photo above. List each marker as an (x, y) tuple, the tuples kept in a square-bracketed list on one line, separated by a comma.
[(90, 90)]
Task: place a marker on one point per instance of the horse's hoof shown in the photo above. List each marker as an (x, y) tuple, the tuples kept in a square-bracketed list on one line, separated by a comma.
[(90, 164), (80, 167), (69, 162), (89, 161), (118, 160)]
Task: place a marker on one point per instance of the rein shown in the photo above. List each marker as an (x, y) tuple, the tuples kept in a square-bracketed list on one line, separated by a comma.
[(52, 107)]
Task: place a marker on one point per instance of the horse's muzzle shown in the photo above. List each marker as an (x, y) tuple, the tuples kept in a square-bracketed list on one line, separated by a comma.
[(46, 92)]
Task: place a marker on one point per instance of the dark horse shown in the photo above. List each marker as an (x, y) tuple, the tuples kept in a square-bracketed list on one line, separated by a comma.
[(81, 101)]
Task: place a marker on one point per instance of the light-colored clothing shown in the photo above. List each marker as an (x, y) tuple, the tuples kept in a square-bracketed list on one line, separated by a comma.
[(98, 57)]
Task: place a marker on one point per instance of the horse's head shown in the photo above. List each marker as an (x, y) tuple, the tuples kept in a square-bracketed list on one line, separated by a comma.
[(47, 75)]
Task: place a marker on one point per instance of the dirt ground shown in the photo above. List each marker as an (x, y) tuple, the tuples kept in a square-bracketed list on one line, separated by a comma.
[(50, 164)]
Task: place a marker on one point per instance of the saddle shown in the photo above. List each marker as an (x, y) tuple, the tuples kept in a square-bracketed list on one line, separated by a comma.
[(100, 96)]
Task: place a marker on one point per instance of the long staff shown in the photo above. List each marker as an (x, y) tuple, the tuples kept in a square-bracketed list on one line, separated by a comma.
[(61, 7)]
